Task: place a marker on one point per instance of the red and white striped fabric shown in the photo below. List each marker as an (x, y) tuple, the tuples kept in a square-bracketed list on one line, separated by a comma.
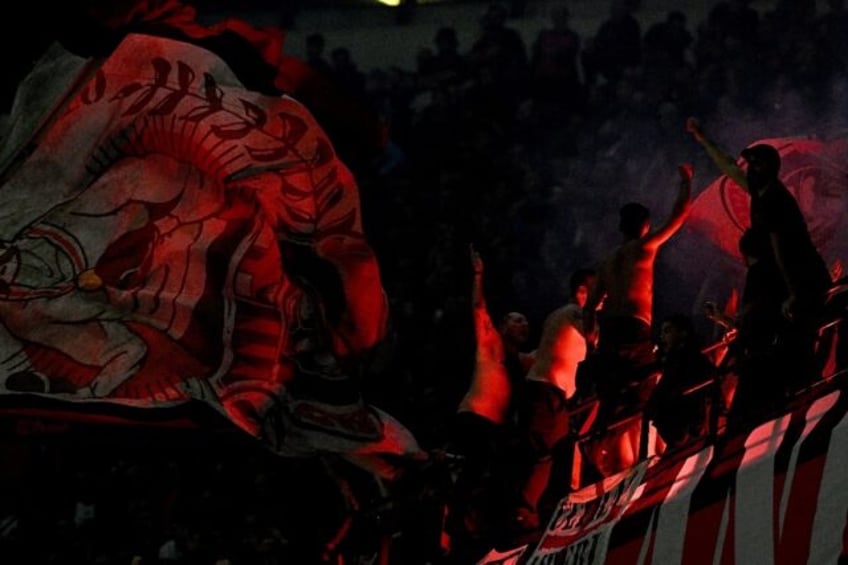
[(778, 495)]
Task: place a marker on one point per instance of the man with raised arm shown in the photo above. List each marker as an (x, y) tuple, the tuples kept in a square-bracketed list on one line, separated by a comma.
[(483, 427), (625, 349), (626, 276), (777, 221)]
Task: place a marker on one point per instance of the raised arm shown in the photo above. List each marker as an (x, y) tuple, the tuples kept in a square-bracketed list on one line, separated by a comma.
[(478, 299), (489, 344), (679, 212), (723, 160)]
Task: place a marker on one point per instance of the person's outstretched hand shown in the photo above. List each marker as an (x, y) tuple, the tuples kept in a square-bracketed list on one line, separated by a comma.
[(476, 261), (693, 127), (788, 307), (592, 339)]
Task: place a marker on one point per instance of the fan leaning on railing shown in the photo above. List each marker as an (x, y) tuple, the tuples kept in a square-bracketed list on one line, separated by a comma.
[(831, 354)]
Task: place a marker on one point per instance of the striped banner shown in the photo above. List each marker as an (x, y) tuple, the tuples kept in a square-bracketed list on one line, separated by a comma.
[(776, 496)]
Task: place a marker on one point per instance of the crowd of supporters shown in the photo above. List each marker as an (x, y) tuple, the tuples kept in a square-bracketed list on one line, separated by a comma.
[(534, 181), (526, 151)]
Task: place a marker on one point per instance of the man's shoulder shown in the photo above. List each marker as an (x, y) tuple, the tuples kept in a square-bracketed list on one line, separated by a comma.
[(569, 310), (635, 249), (615, 254), (777, 195), (573, 310), (571, 313)]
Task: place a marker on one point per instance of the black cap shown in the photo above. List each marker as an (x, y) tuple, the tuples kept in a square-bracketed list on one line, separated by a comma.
[(764, 153)]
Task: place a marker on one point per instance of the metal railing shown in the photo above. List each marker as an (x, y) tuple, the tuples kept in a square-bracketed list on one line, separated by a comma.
[(584, 413)]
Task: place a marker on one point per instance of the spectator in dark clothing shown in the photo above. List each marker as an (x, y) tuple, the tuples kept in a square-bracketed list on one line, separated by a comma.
[(554, 61), (776, 219), (735, 20), (730, 28), (832, 28), (760, 319), (448, 65), (616, 47), (499, 60), (315, 54), (680, 414), (756, 351), (668, 40), (346, 74)]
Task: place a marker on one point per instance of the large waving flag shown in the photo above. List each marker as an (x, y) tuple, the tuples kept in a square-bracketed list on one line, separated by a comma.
[(168, 235), (815, 171)]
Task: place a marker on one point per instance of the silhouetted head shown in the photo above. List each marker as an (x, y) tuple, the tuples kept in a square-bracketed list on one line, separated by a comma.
[(763, 165), (315, 45), (514, 329), (676, 331), (580, 284), (634, 220)]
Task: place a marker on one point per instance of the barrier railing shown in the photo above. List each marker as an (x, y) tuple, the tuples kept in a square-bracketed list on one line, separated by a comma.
[(584, 413)]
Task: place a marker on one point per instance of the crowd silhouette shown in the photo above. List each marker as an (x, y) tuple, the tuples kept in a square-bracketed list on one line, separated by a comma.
[(532, 153)]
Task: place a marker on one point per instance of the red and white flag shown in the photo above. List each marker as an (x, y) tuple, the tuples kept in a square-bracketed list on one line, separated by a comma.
[(169, 236), (815, 171)]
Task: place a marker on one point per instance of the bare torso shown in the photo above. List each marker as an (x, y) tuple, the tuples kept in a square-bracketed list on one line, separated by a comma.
[(490, 390), (561, 348), (627, 274)]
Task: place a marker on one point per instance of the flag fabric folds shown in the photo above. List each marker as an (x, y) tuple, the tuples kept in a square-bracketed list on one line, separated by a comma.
[(813, 170), (168, 235)]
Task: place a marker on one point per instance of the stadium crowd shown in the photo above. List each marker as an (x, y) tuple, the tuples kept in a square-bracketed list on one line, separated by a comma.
[(526, 152)]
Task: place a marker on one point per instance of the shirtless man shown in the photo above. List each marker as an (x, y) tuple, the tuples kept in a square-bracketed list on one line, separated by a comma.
[(482, 424), (490, 390), (563, 343), (625, 285), (626, 277), (544, 424)]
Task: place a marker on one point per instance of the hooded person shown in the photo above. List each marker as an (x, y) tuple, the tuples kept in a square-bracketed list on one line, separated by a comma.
[(776, 220)]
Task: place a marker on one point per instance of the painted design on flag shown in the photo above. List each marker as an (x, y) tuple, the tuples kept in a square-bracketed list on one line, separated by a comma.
[(813, 170), (171, 237), (776, 495)]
